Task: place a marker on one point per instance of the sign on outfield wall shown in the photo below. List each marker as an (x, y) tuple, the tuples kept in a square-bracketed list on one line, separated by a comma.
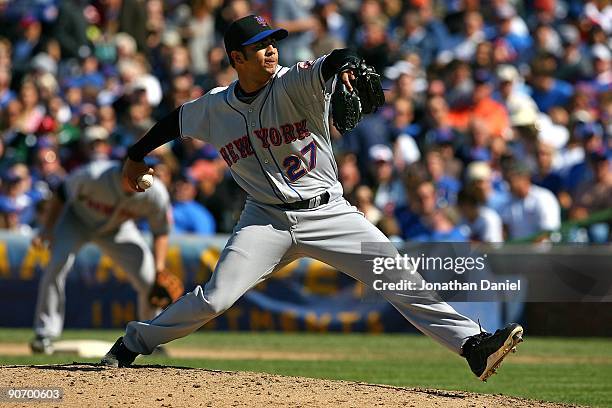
[(307, 295)]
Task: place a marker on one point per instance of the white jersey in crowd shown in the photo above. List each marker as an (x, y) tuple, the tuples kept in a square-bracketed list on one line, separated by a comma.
[(277, 147), (487, 227), (538, 211)]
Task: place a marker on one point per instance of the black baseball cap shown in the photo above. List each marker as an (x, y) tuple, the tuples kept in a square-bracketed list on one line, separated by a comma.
[(249, 30)]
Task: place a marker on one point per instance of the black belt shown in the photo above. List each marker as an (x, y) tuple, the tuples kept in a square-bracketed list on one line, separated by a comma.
[(306, 204)]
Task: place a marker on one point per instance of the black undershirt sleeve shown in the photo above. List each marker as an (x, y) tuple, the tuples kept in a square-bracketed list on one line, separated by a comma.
[(164, 131), (336, 60)]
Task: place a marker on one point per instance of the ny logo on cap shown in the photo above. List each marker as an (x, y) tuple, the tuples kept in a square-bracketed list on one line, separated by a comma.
[(261, 21)]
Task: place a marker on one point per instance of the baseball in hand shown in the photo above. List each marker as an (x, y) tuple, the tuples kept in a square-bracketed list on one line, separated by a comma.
[(145, 181)]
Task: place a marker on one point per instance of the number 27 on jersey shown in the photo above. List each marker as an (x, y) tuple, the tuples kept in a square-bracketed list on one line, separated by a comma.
[(293, 164)]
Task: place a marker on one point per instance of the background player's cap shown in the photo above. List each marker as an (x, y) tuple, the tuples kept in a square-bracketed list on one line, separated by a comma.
[(249, 30)]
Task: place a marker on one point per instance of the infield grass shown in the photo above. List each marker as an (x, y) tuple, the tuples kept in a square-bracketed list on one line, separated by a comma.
[(570, 370)]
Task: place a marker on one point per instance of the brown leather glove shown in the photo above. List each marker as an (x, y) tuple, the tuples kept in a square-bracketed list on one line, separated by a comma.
[(166, 289)]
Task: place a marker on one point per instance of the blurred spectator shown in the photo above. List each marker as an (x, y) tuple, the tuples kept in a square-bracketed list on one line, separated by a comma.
[(545, 176), (484, 224), (366, 205), (413, 37), (439, 126), (138, 120), (349, 175), (32, 111), (202, 34), (295, 17), (548, 91), (6, 93), (511, 38), (372, 130), (70, 28), (595, 197), (389, 191), (47, 169), (405, 131), (572, 66), (218, 192), (374, 47), (9, 217), (120, 138), (323, 41), (90, 73), (17, 190), (333, 21), (412, 219), (128, 16), (189, 216), (533, 211), (600, 13), (480, 179), (547, 41), (521, 108), (460, 90), (441, 226), (483, 107), (473, 33), (590, 136), (602, 68), (446, 186), (95, 145), (479, 141), (6, 51), (484, 58), (28, 45)]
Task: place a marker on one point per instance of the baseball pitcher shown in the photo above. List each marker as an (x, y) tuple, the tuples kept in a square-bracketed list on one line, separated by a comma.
[(271, 128), (95, 204)]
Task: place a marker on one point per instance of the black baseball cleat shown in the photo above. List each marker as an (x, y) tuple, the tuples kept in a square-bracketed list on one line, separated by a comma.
[(119, 355), (485, 351)]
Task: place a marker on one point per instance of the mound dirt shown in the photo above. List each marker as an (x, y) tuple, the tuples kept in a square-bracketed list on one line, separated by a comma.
[(91, 385)]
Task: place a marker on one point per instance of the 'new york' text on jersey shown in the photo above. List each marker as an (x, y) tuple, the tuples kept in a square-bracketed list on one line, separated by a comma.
[(278, 147)]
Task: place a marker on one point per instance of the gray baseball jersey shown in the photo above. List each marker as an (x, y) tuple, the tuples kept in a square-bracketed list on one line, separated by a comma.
[(278, 149), (97, 210), (95, 195)]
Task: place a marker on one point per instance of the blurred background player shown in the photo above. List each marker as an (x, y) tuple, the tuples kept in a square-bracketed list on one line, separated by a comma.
[(95, 205)]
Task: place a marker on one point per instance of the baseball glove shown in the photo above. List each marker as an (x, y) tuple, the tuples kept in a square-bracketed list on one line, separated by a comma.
[(166, 289), (367, 96), (345, 107)]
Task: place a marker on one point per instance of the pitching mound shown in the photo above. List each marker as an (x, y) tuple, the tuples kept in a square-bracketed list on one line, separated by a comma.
[(90, 385)]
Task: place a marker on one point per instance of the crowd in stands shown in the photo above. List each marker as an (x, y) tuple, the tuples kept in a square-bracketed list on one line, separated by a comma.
[(497, 124)]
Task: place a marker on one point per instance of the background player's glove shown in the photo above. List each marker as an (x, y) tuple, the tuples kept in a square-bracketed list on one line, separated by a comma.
[(166, 289), (367, 96)]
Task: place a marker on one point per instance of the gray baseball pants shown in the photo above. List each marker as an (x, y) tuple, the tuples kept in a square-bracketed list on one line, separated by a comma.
[(266, 239), (126, 247)]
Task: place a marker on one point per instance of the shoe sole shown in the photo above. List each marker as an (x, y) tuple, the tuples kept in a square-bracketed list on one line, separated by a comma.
[(494, 360), (108, 362)]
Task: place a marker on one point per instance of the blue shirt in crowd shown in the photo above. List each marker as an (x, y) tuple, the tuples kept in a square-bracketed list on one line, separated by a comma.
[(191, 217)]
